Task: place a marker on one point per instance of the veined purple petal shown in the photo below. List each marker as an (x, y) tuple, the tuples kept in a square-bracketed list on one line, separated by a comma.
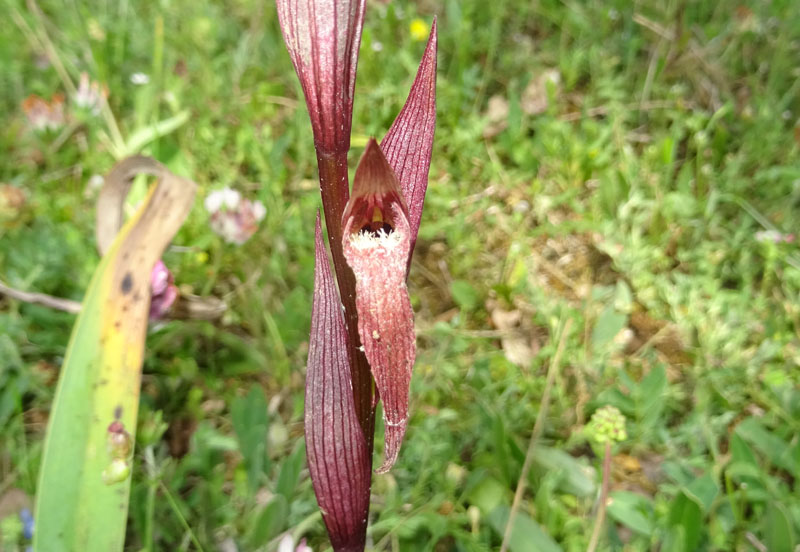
[(409, 142), (323, 37), (338, 459), (376, 245)]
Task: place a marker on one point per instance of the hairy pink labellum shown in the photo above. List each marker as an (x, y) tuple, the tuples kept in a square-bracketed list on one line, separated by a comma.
[(376, 243), (409, 142), (336, 449), (323, 37)]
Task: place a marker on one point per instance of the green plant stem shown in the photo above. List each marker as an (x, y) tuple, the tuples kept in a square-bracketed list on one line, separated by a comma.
[(150, 505), (178, 513), (216, 265), (601, 507), (538, 426)]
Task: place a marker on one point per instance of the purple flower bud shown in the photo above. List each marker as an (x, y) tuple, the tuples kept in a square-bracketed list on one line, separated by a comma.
[(163, 290)]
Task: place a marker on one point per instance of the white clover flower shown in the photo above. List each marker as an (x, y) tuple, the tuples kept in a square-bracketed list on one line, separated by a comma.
[(763, 236), (259, 211), (44, 115), (232, 217), (218, 199), (90, 94), (140, 78)]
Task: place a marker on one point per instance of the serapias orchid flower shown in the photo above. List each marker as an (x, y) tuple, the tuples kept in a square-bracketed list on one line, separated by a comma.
[(371, 234), (377, 245)]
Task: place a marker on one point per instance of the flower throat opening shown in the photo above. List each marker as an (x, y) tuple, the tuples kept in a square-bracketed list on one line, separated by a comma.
[(377, 225)]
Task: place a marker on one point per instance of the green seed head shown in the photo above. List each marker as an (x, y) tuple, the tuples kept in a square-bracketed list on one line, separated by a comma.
[(607, 425)]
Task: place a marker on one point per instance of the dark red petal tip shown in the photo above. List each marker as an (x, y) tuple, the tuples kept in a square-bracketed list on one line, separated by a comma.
[(338, 458), (376, 245)]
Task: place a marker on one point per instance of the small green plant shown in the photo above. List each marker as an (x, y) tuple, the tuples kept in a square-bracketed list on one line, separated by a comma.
[(606, 427)]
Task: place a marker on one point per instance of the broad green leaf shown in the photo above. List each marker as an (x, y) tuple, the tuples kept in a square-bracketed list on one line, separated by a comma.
[(703, 491), (269, 522), (778, 533), (84, 481), (526, 535), (651, 394), (465, 296), (487, 494), (290, 471), (578, 479), (771, 446), (632, 510), (608, 325), (686, 519)]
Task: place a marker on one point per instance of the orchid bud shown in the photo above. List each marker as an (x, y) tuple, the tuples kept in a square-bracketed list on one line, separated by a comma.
[(323, 37)]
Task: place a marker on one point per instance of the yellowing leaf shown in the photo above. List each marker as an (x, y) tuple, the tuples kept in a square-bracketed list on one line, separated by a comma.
[(84, 482)]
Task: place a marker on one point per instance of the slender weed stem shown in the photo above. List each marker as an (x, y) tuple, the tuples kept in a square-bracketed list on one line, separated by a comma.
[(538, 426), (601, 508), (181, 518)]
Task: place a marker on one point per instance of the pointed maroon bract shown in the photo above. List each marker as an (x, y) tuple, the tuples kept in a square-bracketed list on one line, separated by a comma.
[(338, 458), (409, 142), (323, 37), (376, 244)]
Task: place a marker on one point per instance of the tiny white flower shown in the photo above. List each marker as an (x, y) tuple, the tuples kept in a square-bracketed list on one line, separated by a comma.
[(140, 78), (286, 544), (231, 198), (259, 211), (213, 202)]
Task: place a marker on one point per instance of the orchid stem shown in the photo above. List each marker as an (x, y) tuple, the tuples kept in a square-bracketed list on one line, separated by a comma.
[(537, 430), (335, 193)]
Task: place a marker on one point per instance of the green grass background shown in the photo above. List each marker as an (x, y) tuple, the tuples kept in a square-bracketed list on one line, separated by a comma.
[(628, 202)]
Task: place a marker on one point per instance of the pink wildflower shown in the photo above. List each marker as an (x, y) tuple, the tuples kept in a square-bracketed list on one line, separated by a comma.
[(232, 217)]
